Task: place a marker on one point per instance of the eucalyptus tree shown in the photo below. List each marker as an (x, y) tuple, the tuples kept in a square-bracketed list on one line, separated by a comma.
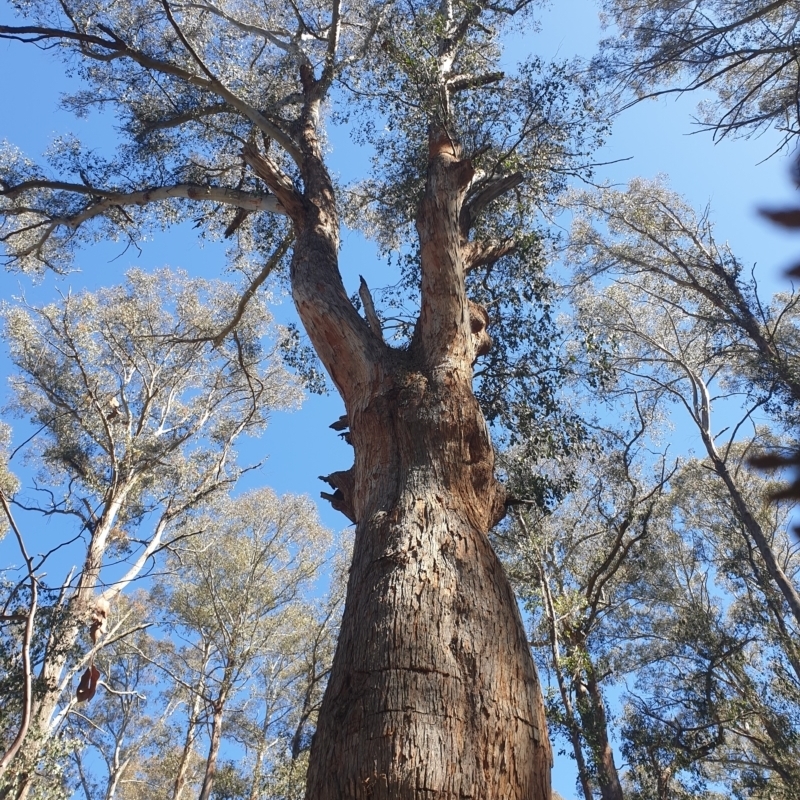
[(650, 228), (119, 727), (683, 328), (236, 654), (234, 602), (715, 702), (682, 320), (135, 414), (222, 110), (582, 566), (743, 52)]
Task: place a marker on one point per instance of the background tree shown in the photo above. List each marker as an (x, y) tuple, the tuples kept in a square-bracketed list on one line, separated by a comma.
[(713, 649), (235, 599), (224, 104), (743, 52), (715, 699), (579, 564), (685, 319), (118, 726), (135, 414), (236, 653)]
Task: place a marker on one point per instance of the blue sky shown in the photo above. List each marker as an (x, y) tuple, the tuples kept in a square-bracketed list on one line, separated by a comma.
[(657, 136)]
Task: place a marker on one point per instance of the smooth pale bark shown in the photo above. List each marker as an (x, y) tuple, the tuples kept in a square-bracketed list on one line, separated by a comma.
[(433, 692), (702, 415), (561, 678), (191, 728)]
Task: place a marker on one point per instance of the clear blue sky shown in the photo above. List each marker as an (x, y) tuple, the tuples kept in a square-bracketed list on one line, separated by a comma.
[(657, 135)]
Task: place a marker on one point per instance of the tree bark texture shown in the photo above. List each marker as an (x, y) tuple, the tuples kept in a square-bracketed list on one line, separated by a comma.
[(433, 692)]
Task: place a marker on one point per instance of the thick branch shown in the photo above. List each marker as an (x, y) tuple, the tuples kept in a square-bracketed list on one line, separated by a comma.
[(350, 352), (280, 183), (249, 201), (472, 210), (104, 201), (459, 83), (480, 254), (181, 119), (444, 323), (115, 47)]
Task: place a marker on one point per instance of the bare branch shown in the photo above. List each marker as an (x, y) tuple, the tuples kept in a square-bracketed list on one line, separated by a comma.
[(27, 667), (369, 308)]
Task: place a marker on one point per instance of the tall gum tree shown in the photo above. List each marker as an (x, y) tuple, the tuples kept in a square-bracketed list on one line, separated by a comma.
[(433, 691), (136, 418)]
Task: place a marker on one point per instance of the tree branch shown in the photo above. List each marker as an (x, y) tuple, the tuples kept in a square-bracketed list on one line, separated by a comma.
[(104, 201), (27, 667), (117, 48), (473, 208)]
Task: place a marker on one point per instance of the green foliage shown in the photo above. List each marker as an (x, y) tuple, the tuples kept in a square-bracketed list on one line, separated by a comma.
[(135, 413), (124, 385)]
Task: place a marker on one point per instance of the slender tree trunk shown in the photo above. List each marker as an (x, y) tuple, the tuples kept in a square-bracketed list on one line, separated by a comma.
[(754, 530), (608, 777), (191, 729), (213, 752), (555, 654), (116, 776), (255, 783)]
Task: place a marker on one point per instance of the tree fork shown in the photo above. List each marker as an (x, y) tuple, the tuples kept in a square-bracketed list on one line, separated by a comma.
[(433, 691)]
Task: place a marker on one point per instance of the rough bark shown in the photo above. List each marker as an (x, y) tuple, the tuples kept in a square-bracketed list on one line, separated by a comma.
[(433, 692)]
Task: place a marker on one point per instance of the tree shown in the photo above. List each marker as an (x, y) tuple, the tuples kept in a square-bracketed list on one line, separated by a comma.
[(235, 653), (235, 599), (116, 730), (744, 52), (684, 319), (578, 566), (135, 415), (715, 698), (717, 680), (433, 689)]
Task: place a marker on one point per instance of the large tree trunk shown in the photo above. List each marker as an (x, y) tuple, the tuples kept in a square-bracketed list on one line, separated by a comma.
[(433, 691)]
